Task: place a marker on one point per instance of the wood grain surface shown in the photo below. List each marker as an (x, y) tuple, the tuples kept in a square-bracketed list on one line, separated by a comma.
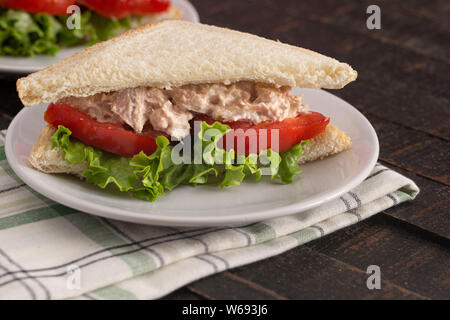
[(403, 88)]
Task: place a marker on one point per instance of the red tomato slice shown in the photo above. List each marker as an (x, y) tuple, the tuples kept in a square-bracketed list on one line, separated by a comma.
[(110, 137), (121, 9), (290, 132), (57, 7)]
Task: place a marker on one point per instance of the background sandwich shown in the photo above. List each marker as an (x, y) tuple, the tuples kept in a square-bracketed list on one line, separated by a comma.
[(30, 27), (136, 92)]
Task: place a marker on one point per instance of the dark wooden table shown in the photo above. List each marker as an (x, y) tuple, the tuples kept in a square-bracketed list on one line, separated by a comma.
[(403, 88)]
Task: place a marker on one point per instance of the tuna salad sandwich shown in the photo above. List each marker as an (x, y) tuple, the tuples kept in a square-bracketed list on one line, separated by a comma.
[(179, 103), (35, 27)]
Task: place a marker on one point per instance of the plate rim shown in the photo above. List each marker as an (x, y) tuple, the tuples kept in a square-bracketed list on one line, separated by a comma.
[(23, 70), (118, 213)]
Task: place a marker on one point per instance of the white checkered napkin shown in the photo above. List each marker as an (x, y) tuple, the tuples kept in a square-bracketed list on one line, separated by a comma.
[(49, 251)]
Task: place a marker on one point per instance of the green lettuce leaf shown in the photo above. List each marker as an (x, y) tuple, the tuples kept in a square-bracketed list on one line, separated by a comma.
[(289, 163), (148, 176), (104, 168)]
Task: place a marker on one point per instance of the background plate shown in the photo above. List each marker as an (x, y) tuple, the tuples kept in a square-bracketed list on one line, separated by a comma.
[(320, 181), (21, 65)]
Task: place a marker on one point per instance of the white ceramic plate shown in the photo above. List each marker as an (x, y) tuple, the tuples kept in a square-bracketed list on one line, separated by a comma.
[(20, 65), (319, 182)]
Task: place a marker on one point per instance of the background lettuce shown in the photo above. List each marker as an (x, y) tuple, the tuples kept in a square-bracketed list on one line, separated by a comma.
[(28, 34)]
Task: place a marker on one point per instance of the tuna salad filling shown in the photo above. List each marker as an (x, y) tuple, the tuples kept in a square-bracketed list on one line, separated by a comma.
[(169, 110)]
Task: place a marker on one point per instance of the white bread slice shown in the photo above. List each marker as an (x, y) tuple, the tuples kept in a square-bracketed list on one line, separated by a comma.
[(331, 141), (43, 158), (175, 53), (170, 14)]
